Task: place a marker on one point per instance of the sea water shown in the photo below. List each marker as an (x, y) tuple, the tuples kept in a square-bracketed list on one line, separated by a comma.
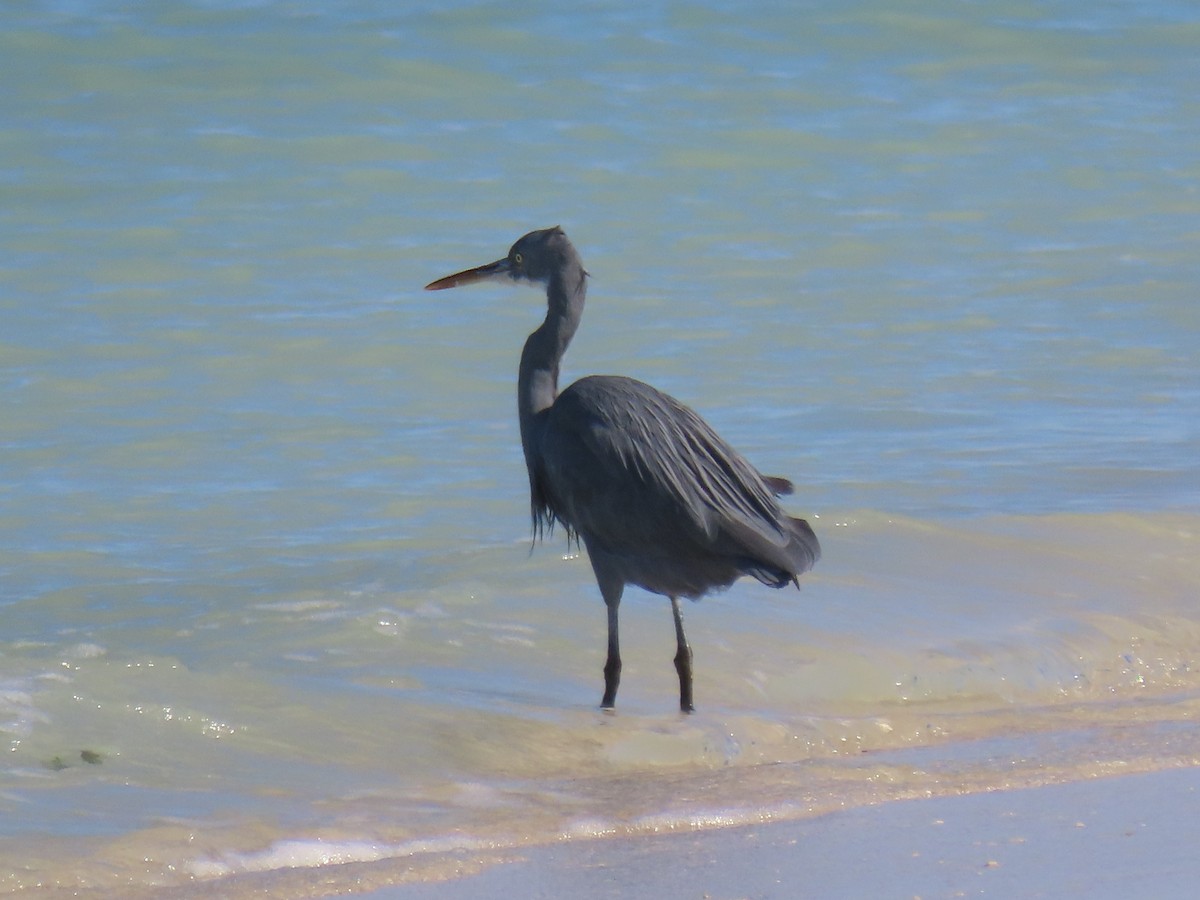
[(267, 596)]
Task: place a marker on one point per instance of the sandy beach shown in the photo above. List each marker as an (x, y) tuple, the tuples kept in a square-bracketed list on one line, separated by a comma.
[(1115, 837)]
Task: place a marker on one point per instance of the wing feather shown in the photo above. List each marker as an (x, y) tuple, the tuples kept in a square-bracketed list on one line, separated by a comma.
[(624, 462)]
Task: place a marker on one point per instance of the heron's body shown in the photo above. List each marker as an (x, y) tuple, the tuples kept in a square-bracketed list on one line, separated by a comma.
[(656, 496), (660, 500)]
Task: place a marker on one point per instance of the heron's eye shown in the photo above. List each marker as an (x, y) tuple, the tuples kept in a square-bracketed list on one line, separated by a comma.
[(518, 258)]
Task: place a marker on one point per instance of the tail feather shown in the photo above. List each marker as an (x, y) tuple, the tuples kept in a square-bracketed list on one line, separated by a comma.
[(804, 544), (785, 566), (780, 487)]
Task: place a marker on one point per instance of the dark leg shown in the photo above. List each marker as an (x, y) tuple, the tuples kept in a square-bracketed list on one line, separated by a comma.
[(611, 588), (683, 659), (612, 668)]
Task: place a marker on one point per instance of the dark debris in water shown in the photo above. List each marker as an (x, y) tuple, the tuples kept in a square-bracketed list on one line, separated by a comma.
[(58, 763)]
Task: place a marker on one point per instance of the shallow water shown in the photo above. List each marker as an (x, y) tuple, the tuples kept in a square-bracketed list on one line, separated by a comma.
[(268, 598)]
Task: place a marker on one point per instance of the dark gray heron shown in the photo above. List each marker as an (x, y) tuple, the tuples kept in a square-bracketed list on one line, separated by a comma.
[(656, 496)]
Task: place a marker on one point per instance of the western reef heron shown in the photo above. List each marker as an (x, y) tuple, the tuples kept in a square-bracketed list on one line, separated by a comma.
[(656, 496)]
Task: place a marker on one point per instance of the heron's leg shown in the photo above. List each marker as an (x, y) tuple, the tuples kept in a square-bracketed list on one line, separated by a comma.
[(683, 659), (611, 588), (612, 668)]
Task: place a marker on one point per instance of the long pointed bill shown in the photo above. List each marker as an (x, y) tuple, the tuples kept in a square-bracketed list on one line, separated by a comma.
[(498, 269)]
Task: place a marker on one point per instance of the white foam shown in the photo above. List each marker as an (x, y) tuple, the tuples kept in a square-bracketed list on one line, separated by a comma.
[(291, 854), (315, 853), (85, 650), (18, 714)]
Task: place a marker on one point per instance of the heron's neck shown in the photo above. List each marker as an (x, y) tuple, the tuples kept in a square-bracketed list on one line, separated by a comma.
[(537, 381)]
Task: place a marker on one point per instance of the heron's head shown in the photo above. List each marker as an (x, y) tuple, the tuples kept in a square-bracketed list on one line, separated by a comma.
[(535, 258)]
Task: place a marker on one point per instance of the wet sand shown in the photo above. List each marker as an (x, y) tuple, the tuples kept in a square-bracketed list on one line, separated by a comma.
[(1136, 835)]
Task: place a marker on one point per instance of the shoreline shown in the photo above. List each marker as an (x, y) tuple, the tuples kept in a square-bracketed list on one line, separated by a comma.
[(1115, 836)]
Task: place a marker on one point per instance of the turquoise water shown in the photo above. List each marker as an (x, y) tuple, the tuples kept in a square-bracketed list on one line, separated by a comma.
[(266, 590)]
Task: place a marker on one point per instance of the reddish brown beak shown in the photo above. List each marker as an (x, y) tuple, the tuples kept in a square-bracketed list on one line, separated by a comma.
[(498, 269)]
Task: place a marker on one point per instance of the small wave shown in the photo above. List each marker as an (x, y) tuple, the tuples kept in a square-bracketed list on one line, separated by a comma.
[(294, 853)]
